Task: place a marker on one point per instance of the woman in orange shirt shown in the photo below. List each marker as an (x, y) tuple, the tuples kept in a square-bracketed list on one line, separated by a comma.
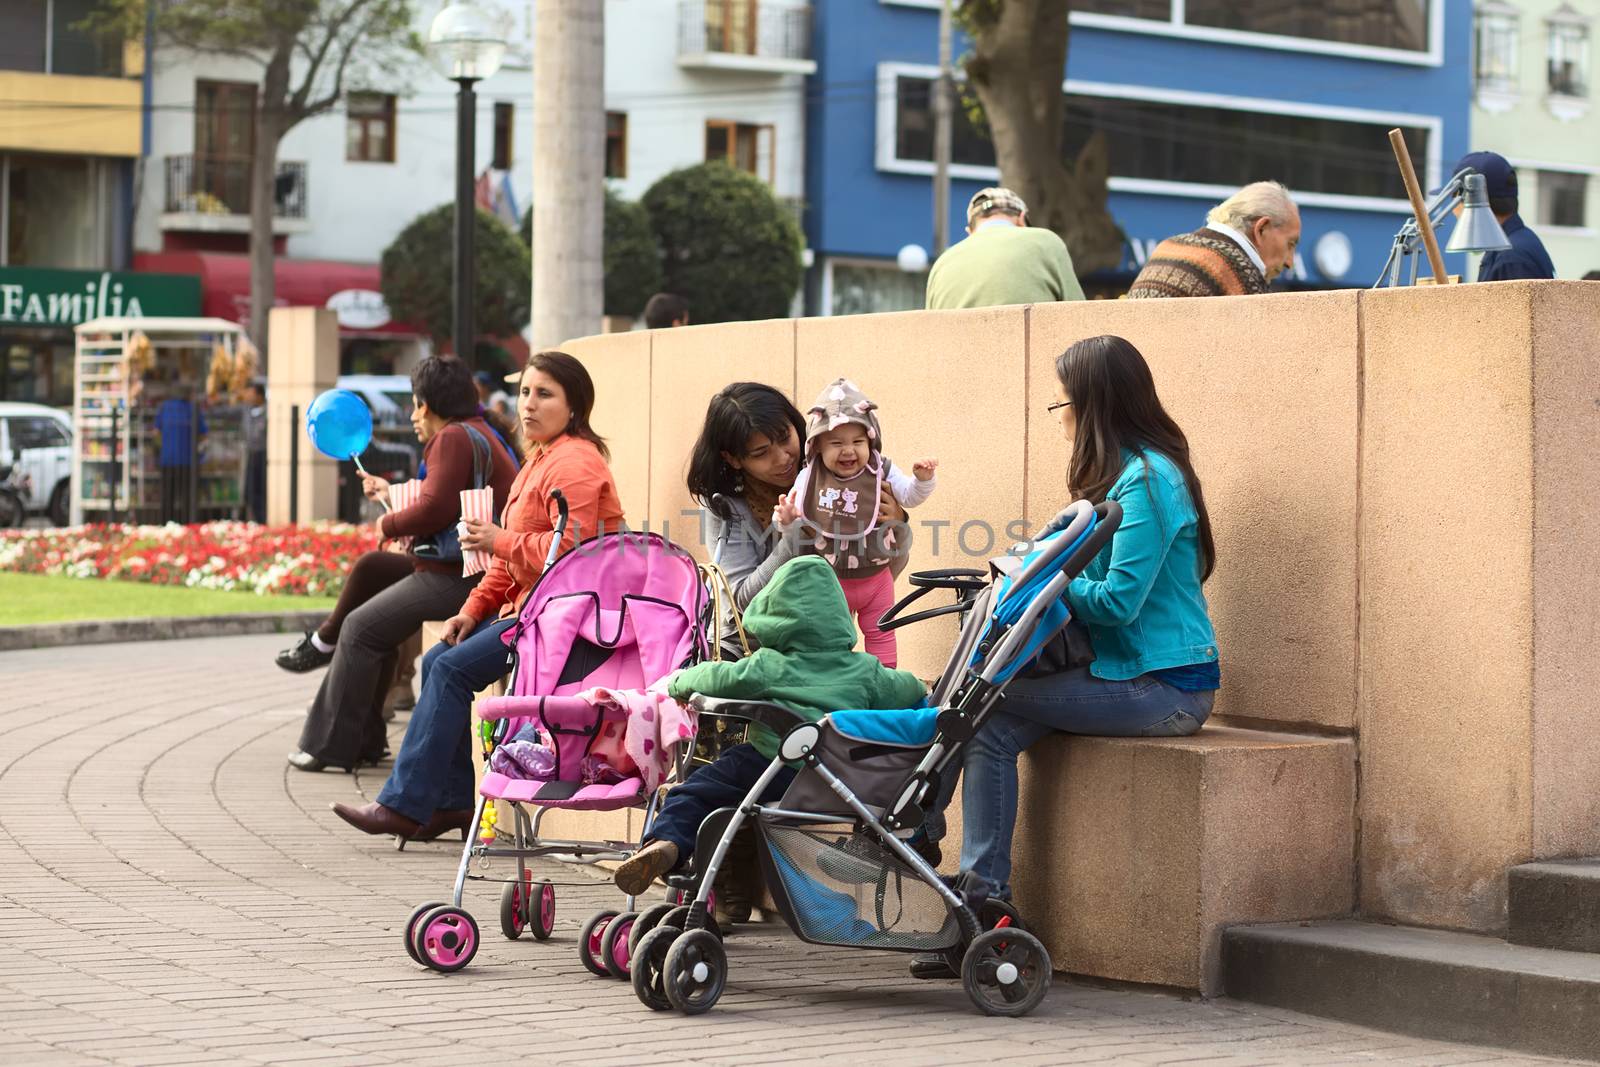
[(430, 790)]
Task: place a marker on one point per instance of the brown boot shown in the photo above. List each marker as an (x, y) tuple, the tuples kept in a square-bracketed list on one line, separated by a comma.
[(738, 881), (636, 872)]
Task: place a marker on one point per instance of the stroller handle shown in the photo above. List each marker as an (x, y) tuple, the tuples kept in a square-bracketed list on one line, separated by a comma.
[(561, 527), (966, 582)]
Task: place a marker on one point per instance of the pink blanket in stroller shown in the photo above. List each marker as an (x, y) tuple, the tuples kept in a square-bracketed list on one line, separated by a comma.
[(649, 737)]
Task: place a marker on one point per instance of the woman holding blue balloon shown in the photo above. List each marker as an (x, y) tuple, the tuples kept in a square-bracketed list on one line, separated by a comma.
[(388, 596), (430, 791)]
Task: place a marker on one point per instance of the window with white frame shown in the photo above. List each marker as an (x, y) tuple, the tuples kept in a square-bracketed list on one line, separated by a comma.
[(1192, 143), (1562, 196), (1568, 52), (1497, 36), (1398, 24)]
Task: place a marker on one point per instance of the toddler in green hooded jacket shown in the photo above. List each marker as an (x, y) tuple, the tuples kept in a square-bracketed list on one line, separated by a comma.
[(806, 663)]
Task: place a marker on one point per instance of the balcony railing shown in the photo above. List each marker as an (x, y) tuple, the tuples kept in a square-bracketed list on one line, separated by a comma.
[(199, 185), (745, 28)]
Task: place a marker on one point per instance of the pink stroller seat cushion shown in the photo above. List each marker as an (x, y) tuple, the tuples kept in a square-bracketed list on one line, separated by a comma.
[(624, 794)]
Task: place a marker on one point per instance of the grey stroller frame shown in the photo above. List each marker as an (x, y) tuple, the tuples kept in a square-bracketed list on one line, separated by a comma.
[(834, 847)]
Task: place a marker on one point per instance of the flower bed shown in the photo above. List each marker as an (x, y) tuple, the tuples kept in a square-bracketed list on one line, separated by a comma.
[(267, 560)]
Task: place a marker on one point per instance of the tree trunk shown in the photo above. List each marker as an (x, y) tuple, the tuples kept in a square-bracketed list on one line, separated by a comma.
[(270, 126), (1018, 61), (568, 170)]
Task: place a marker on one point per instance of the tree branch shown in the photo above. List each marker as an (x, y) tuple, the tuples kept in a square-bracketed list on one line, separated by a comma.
[(298, 101)]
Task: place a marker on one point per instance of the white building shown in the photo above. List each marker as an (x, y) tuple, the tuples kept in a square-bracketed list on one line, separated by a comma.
[(685, 82), (1533, 102)]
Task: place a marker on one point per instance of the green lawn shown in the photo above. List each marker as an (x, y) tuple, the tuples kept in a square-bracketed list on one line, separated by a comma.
[(33, 598)]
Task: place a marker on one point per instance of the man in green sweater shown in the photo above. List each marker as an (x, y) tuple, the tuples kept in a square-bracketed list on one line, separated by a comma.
[(1003, 260), (806, 663)]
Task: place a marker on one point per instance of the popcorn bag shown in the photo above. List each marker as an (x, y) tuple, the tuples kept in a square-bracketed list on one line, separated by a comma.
[(402, 495), (476, 504)]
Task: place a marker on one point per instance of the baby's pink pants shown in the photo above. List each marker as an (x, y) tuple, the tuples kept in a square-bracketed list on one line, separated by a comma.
[(869, 598)]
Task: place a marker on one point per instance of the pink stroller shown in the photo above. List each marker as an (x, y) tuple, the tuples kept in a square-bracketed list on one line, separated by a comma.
[(619, 611)]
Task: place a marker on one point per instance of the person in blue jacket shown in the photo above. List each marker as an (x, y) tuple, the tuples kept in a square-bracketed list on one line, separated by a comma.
[(1526, 258), (1154, 669)]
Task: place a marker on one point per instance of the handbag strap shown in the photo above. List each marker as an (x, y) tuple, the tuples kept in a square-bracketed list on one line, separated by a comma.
[(482, 461), (721, 590)]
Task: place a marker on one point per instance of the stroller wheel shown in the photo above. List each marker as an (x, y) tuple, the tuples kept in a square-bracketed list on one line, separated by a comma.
[(648, 965), (993, 911), (1006, 972), (589, 939), (695, 972), (540, 901), (411, 927), (614, 944), (446, 938), (679, 916), (514, 908), (648, 920)]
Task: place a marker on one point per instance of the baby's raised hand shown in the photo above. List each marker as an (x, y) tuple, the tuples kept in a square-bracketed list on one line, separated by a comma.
[(923, 469), (786, 513)]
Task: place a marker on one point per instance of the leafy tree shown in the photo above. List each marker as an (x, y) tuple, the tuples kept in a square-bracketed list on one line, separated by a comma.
[(308, 51), (728, 246), (1018, 58), (632, 260), (418, 283)]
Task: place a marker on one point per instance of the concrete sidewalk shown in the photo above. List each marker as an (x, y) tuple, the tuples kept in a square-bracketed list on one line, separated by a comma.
[(170, 892)]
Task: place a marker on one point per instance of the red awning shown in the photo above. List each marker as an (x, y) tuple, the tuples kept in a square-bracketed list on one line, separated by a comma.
[(351, 289)]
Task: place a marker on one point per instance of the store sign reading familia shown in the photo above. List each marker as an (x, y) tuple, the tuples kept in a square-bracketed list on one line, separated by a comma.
[(33, 296)]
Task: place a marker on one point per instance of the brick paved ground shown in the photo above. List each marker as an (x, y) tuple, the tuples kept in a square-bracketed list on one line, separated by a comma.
[(171, 893)]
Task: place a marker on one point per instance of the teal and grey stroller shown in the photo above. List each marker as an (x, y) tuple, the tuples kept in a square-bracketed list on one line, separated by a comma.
[(834, 849)]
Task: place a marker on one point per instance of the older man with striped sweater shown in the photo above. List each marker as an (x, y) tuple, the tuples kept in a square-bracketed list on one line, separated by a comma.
[(1248, 239)]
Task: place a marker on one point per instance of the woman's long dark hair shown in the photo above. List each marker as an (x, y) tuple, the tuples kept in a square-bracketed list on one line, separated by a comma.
[(1114, 398), (445, 384), (733, 416), (578, 386)]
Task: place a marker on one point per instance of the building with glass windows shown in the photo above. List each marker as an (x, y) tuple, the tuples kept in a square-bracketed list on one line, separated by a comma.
[(1533, 102), (1196, 98), (69, 143)]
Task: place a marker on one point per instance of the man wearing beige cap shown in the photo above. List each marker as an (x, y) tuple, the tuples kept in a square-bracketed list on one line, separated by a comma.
[(1002, 260)]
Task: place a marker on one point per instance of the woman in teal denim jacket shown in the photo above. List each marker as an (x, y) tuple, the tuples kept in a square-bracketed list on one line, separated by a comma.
[(1155, 668)]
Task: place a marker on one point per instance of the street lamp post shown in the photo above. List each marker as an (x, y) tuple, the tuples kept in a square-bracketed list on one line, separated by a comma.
[(466, 46)]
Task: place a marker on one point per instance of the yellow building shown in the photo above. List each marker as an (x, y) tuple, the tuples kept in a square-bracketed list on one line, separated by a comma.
[(70, 137)]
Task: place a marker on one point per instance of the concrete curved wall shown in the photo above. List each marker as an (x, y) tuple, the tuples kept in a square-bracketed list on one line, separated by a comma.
[(1402, 486)]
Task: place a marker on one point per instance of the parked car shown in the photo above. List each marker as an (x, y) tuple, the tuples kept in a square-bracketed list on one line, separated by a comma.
[(38, 440)]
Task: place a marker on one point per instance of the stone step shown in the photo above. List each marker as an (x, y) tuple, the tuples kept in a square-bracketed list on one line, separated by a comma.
[(1556, 904), (1133, 854), (1437, 984)]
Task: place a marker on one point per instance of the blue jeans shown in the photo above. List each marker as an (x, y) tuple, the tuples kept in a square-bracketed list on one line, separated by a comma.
[(1074, 702), (434, 768), (721, 783)]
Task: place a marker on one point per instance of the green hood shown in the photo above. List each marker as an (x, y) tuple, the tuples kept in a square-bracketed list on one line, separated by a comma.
[(802, 610)]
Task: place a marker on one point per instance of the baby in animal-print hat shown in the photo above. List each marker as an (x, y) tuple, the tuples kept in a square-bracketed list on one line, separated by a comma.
[(837, 495)]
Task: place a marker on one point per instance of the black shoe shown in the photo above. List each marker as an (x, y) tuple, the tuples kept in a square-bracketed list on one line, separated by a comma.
[(932, 965), (303, 657), (928, 850)]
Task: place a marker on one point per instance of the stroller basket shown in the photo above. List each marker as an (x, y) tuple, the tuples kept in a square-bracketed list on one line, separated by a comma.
[(837, 885)]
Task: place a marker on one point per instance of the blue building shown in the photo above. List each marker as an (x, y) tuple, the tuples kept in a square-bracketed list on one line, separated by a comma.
[(1196, 98)]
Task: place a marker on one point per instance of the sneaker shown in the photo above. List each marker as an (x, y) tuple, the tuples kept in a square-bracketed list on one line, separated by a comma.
[(634, 874), (303, 657)]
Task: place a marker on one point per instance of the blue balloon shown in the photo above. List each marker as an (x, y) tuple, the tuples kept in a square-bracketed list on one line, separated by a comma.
[(339, 424)]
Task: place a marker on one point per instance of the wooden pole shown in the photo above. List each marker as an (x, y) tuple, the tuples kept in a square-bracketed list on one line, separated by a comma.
[(1397, 141)]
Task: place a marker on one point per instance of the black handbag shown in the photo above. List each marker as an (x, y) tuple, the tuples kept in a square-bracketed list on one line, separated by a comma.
[(1066, 651), (445, 546)]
